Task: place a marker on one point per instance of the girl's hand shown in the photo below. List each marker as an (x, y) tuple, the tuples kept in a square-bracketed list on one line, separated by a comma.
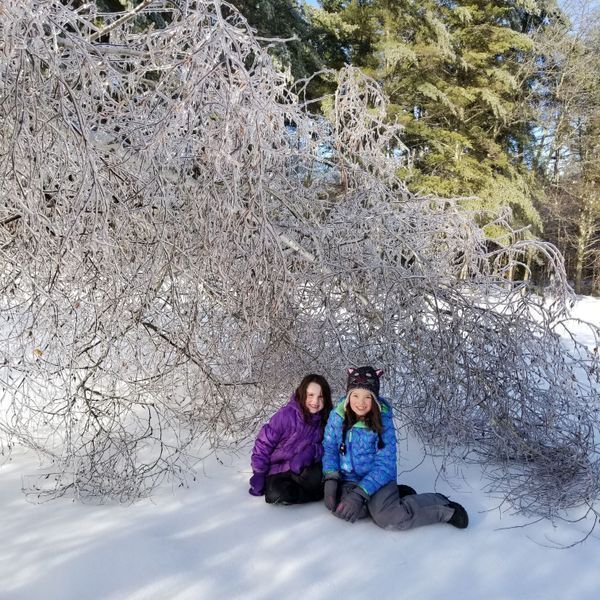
[(330, 490), (351, 506), (257, 484)]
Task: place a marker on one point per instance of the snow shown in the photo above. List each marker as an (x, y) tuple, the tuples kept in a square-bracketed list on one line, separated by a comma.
[(214, 540)]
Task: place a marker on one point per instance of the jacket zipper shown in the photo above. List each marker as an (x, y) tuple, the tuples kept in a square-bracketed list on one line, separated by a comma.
[(350, 449)]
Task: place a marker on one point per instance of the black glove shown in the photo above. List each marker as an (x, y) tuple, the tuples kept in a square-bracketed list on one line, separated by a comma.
[(330, 490), (351, 505)]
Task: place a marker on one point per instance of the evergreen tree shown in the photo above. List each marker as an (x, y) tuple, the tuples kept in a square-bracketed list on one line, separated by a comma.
[(455, 72), (285, 19)]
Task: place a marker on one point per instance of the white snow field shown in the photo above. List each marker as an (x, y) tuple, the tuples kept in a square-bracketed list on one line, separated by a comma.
[(215, 541)]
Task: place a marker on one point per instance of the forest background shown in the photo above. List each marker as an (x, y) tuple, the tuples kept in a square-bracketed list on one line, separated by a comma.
[(500, 101)]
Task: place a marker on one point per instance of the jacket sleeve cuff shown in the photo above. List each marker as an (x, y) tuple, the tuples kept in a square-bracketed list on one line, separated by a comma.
[(362, 491), (331, 475)]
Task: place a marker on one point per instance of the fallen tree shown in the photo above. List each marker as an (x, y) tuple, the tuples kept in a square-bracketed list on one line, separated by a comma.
[(181, 240)]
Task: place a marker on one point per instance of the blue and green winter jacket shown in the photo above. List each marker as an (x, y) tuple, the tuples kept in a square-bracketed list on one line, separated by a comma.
[(364, 463)]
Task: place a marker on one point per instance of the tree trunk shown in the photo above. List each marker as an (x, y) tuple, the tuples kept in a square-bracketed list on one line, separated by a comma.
[(584, 237), (596, 274)]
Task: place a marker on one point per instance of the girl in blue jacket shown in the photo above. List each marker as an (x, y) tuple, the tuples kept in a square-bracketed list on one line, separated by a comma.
[(359, 464)]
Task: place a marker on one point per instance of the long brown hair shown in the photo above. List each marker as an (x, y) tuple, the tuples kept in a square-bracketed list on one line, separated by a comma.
[(325, 389)]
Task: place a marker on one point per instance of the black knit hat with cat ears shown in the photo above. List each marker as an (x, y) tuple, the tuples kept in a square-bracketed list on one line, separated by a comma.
[(364, 378)]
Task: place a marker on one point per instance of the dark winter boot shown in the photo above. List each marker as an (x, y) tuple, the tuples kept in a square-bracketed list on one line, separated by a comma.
[(460, 518), (405, 490)]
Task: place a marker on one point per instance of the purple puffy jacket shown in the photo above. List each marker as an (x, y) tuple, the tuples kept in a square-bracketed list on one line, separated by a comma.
[(288, 440)]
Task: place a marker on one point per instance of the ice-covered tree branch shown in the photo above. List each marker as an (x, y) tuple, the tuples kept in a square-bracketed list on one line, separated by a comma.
[(181, 240)]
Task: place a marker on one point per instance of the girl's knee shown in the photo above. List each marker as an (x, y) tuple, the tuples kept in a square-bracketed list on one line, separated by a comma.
[(396, 516), (281, 490)]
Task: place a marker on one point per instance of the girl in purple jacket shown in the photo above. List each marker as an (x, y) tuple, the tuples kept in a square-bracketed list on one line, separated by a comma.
[(286, 459)]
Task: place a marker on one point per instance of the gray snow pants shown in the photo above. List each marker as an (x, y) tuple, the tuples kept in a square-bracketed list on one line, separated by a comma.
[(389, 511)]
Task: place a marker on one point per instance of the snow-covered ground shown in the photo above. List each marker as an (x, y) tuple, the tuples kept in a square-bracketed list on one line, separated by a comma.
[(214, 540)]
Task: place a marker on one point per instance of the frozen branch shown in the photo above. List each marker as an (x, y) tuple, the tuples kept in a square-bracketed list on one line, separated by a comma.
[(181, 240)]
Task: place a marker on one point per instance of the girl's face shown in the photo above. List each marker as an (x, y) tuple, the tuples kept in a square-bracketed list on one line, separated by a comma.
[(314, 398), (360, 402)]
